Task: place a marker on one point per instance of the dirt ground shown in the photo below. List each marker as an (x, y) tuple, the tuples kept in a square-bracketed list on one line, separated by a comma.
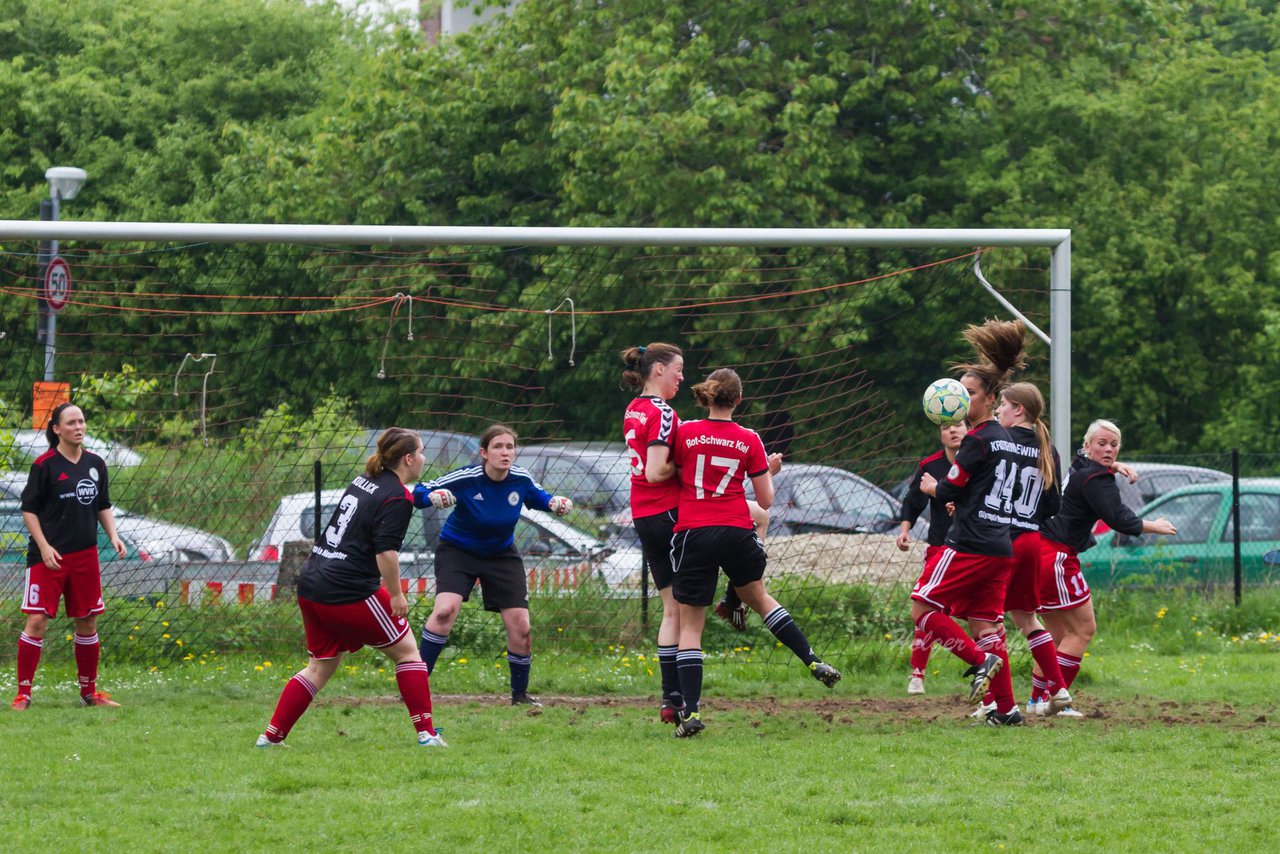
[(940, 709)]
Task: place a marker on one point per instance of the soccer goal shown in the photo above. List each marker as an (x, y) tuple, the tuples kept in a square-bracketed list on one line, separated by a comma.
[(234, 373)]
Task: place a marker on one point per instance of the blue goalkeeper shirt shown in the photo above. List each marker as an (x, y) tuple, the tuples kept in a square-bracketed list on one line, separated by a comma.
[(484, 520)]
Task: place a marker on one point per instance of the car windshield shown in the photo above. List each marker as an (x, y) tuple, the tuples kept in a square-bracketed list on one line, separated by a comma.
[(1259, 519), (1191, 514)]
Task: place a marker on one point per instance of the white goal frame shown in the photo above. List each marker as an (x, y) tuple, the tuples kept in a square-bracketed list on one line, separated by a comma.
[(1057, 240)]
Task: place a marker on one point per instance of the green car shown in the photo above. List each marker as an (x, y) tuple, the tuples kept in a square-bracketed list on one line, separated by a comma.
[(1202, 551)]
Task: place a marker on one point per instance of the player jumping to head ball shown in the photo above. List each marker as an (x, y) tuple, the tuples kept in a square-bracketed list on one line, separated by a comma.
[(477, 543), (64, 501), (714, 531), (349, 589)]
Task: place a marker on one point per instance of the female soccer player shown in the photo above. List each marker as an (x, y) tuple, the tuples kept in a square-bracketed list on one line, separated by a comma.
[(1091, 494), (64, 501), (1035, 482), (649, 426), (477, 543), (349, 590), (936, 464), (714, 531), (968, 576)]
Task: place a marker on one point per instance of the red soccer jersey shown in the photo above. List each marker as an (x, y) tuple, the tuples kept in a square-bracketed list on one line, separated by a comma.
[(649, 421), (715, 459)]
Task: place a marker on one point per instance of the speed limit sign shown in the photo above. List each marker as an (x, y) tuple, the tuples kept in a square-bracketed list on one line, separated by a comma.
[(57, 284)]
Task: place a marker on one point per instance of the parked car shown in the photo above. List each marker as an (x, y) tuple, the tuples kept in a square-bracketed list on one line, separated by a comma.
[(816, 499), (596, 475), (444, 450), (30, 444), (1202, 550), (138, 573), (155, 537), (546, 542), (1156, 479)]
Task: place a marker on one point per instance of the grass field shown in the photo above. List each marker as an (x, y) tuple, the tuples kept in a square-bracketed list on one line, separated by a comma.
[(1178, 753)]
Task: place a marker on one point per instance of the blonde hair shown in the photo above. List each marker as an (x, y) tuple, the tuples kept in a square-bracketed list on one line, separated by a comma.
[(1031, 400), (722, 388), (1102, 424), (394, 444), (1000, 347)]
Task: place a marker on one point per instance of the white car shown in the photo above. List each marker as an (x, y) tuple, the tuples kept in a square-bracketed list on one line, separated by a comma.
[(546, 542), (30, 444), (154, 537)]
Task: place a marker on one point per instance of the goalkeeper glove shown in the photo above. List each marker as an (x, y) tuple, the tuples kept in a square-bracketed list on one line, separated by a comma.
[(560, 505)]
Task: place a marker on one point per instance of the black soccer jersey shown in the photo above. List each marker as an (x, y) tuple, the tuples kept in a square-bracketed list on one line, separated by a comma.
[(66, 497), (1090, 494), (371, 517), (1033, 499), (915, 501), (980, 482)]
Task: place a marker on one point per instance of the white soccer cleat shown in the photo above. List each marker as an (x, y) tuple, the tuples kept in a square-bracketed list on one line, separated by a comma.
[(426, 739), (915, 685), (263, 741), (1059, 701), (983, 710), (1069, 712)]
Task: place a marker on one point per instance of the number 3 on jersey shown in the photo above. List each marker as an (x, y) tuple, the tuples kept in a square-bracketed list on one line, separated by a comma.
[(346, 509), (700, 471)]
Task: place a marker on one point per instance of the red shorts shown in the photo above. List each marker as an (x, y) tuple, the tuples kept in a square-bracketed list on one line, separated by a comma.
[(1062, 583), (335, 629), (1024, 584), (964, 585), (78, 579)]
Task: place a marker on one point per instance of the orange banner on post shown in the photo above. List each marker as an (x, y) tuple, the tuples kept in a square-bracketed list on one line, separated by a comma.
[(46, 397)]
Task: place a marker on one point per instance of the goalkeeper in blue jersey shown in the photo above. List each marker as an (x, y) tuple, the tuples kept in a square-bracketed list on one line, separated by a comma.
[(477, 543)]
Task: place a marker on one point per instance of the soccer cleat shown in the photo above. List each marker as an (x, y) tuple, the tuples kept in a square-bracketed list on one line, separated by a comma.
[(982, 674), (20, 703), (1059, 701), (263, 741), (825, 673), (427, 739), (735, 616), (1069, 712), (915, 685), (1013, 717), (97, 698), (525, 700), (983, 710), (669, 711), (1040, 708), (690, 725)]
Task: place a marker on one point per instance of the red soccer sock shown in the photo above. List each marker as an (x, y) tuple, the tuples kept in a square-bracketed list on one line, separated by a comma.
[(29, 650), (921, 646), (415, 690), (1045, 653), (1070, 667), (1002, 683), (1039, 689), (294, 699), (950, 637), (88, 652)]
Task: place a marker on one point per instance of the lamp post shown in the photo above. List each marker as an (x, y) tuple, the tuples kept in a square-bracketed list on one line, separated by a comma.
[(64, 183)]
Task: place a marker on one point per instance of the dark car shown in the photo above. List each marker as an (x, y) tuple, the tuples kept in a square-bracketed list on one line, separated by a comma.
[(596, 475), (444, 449), (824, 499)]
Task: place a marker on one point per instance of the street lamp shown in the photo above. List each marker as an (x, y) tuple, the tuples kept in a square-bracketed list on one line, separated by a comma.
[(64, 183)]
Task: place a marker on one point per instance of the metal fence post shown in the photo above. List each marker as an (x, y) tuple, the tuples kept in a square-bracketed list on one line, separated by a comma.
[(1235, 518)]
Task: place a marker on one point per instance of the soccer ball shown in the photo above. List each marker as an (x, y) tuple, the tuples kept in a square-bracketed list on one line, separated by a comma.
[(946, 402)]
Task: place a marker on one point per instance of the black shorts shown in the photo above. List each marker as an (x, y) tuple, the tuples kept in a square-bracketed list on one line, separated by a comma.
[(698, 554), (501, 576), (655, 541)]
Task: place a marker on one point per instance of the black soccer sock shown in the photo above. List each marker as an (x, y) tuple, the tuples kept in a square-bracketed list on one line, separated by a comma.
[(731, 596), (689, 665), (520, 666), (785, 629), (430, 648), (667, 666)]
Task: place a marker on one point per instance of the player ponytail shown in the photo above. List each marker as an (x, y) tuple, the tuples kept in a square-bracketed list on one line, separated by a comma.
[(54, 418), (1031, 400), (1000, 347), (394, 444), (723, 389), (639, 361)]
